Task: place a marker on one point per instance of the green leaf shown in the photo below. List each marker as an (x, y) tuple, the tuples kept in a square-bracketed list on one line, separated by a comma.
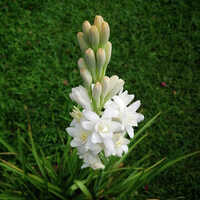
[(33, 179), (83, 188), (5, 144), (35, 155)]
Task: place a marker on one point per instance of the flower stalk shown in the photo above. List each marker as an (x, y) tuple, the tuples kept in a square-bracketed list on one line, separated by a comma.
[(108, 114)]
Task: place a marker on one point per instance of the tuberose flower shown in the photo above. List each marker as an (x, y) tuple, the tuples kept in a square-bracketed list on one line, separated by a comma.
[(120, 143), (82, 139), (80, 96), (102, 129), (91, 160), (120, 109)]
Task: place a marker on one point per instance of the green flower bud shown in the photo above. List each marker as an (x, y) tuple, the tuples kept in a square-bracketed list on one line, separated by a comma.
[(86, 27), (101, 59), (105, 33), (91, 62), (86, 76), (108, 50), (94, 37), (98, 22), (81, 63), (82, 43)]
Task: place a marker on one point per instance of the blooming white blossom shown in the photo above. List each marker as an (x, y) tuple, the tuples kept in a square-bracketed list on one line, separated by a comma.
[(102, 130), (80, 95), (121, 110), (91, 160), (82, 139), (121, 144)]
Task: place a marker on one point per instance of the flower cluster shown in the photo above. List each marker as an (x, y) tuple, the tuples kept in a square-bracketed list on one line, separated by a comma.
[(107, 112)]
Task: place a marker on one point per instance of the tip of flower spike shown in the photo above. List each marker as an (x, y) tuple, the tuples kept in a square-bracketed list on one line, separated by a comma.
[(98, 22), (86, 27), (94, 37)]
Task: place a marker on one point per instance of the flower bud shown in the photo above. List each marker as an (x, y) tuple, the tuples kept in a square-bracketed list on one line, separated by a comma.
[(105, 33), (113, 81), (117, 87), (81, 63), (82, 43), (96, 93), (108, 50), (94, 37), (98, 22), (90, 61), (106, 87), (85, 74), (86, 27), (101, 59)]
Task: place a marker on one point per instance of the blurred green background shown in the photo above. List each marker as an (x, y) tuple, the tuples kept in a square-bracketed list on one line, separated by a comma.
[(156, 50)]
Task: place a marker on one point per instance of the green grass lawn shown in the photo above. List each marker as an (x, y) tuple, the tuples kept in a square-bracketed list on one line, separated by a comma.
[(153, 42)]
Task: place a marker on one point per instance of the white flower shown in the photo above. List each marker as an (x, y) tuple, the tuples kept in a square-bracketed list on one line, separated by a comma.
[(120, 110), (91, 160), (80, 96), (111, 87), (102, 130), (82, 139), (120, 143)]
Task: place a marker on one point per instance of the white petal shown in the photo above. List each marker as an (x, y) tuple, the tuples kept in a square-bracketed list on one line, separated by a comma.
[(87, 125), (95, 138), (109, 147), (110, 113), (116, 127), (130, 131), (134, 106), (140, 117), (119, 101), (75, 143), (73, 123), (71, 131), (125, 148), (126, 98), (91, 116)]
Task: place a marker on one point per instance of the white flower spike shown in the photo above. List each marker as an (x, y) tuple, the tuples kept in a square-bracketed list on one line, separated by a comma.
[(107, 113)]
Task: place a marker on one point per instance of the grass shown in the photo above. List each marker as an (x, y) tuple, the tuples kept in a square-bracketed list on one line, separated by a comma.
[(153, 42)]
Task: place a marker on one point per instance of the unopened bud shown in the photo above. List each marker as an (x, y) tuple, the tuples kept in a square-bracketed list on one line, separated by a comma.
[(117, 88), (81, 63), (98, 22), (90, 61), (86, 27), (106, 86), (101, 58), (96, 93), (82, 43), (113, 80), (86, 75), (105, 33), (108, 50), (94, 37)]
